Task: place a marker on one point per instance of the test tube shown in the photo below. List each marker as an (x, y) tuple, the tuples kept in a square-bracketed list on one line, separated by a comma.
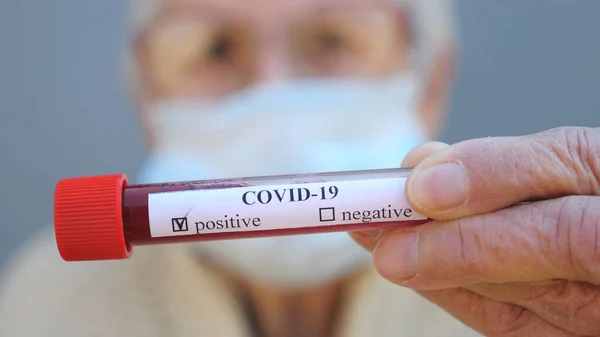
[(103, 217)]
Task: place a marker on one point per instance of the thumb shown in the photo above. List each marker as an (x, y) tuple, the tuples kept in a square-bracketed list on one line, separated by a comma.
[(484, 175), (369, 238)]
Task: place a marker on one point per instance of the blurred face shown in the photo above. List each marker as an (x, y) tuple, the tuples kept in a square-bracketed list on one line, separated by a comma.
[(237, 88), (211, 48)]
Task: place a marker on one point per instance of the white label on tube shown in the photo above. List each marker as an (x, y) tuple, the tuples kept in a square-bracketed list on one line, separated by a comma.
[(258, 208)]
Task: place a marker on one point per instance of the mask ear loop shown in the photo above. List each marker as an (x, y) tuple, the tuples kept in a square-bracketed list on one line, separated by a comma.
[(417, 71), (141, 86), (417, 66)]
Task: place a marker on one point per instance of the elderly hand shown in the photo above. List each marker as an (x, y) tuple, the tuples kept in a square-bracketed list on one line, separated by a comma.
[(531, 269)]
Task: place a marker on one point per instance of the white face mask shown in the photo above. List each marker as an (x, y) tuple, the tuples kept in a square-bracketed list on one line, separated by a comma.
[(304, 127)]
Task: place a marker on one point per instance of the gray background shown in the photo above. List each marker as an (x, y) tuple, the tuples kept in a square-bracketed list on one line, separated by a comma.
[(525, 66)]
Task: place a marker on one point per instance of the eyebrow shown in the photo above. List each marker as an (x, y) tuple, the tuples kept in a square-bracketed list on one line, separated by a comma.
[(189, 10), (359, 3)]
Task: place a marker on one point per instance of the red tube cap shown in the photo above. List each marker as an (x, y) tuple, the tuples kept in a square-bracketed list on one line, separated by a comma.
[(88, 218)]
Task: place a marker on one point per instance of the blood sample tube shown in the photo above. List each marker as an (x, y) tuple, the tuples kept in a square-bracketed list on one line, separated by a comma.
[(103, 217)]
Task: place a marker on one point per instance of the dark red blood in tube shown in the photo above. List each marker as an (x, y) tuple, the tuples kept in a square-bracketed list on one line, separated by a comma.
[(136, 221), (102, 217)]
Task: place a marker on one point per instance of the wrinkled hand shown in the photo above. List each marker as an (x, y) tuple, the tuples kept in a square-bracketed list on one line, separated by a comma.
[(531, 269)]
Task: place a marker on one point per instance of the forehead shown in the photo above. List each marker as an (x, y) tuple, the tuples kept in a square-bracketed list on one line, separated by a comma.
[(270, 10)]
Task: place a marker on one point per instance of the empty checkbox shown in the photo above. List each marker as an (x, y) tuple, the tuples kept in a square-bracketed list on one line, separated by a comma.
[(327, 214)]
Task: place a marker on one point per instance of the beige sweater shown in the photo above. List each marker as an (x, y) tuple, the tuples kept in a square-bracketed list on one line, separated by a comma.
[(164, 291)]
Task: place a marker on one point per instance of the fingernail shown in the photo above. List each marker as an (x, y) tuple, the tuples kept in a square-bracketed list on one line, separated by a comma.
[(395, 256), (439, 187)]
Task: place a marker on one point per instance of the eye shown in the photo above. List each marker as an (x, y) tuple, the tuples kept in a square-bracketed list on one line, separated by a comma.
[(330, 41), (221, 49), (324, 47), (200, 57)]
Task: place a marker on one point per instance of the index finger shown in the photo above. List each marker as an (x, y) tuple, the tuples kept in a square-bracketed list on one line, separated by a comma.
[(485, 175)]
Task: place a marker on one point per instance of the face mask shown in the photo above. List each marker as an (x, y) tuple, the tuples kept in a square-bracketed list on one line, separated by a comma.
[(304, 127)]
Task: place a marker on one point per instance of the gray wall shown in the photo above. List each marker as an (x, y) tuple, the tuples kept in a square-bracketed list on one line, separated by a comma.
[(526, 66)]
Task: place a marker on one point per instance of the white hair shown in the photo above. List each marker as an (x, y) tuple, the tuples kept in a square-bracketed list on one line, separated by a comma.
[(432, 25)]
